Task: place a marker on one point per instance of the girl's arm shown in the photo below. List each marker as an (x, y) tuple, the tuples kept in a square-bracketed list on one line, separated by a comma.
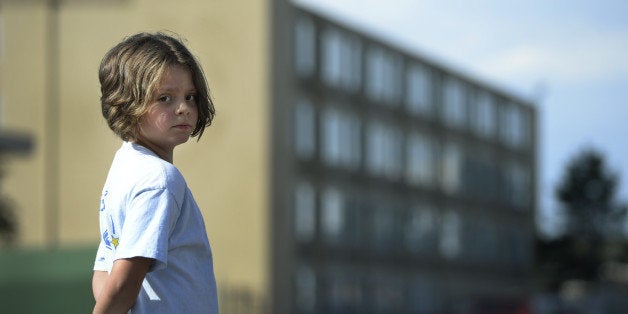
[(120, 288), (98, 282)]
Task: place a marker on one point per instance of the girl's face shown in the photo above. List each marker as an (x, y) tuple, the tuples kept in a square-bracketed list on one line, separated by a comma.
[(172, 115)]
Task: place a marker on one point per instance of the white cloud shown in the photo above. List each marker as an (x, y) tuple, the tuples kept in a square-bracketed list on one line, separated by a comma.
[(562, 59)]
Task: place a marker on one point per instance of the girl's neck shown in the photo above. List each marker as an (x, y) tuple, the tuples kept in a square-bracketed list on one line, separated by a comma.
[(161, 153)]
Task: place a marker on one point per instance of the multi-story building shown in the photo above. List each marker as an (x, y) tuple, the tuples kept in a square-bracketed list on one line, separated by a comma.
[(343, 174), (401, 186)]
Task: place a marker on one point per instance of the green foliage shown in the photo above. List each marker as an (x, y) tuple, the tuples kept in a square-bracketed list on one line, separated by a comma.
[(587, 194), (594, 223)]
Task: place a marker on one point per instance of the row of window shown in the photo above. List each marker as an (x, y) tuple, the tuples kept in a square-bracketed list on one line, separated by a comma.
[(416, 158), (341, 288), (389, 81), (345, 220), (338, 289)]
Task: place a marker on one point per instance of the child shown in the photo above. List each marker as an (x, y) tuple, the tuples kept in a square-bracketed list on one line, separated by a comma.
[(154, 255)]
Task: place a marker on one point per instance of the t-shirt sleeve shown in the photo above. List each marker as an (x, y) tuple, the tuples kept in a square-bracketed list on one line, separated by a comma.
[(101, 257), (148, 223)]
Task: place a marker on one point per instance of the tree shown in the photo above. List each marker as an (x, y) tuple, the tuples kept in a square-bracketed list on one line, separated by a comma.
[(7, 220), (10, 143), (587, 195), (7, 223)]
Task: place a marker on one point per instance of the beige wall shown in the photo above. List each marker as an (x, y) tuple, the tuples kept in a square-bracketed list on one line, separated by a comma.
[(227, 170), (23, 97)]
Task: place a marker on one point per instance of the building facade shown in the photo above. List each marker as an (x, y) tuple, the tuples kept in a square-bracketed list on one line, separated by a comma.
[(49, 90), (342, 174), (401, 186)]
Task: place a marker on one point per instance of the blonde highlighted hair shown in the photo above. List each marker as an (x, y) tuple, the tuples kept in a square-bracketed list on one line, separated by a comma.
[(130, 72)]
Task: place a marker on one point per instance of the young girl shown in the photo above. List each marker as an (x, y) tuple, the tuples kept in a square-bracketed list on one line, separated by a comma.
[(154, 255)]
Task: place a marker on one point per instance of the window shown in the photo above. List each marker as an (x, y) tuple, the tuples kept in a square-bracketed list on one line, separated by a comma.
[(383, 76), (383, 225), (387, 293), (331, 121), (454, 104), (305, 283), (305, 47), (343, 291), (420, 161), (342, 219), (304, 129), (484, 119), (480, 238), (449, 244), (356, 219), (424, 294), (502, 245), (514, 126), (420, 232), (331, 63), (486, 237), (332, 214), (521, 245), (353, 57), (451, 168), (481, 175), (419, 90), (341, 60), (340, 138), (383, 156), (519, 183), (304, 212)]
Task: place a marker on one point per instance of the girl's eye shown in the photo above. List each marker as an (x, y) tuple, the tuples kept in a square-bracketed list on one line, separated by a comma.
[(190, 97), (164, 98)]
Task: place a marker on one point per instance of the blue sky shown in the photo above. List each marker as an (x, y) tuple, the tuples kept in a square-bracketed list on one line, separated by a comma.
[(571, 57)]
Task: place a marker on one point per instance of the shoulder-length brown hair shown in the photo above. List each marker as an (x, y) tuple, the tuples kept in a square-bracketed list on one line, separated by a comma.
[(130, 72)]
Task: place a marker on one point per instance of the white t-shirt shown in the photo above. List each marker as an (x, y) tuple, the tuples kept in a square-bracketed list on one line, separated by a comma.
[(147, 210)]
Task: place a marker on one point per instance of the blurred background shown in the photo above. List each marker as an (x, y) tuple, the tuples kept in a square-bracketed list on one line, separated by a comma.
[(367, 156)]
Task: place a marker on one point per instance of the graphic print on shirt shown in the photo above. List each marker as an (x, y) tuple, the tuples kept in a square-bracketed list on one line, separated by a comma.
[(109, 236), (102, 200)]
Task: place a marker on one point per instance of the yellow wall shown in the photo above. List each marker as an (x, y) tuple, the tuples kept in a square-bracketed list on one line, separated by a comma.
[(23, 97), (227, 170)]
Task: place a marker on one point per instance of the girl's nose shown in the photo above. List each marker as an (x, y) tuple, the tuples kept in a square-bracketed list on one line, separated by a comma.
[(183, 107)]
